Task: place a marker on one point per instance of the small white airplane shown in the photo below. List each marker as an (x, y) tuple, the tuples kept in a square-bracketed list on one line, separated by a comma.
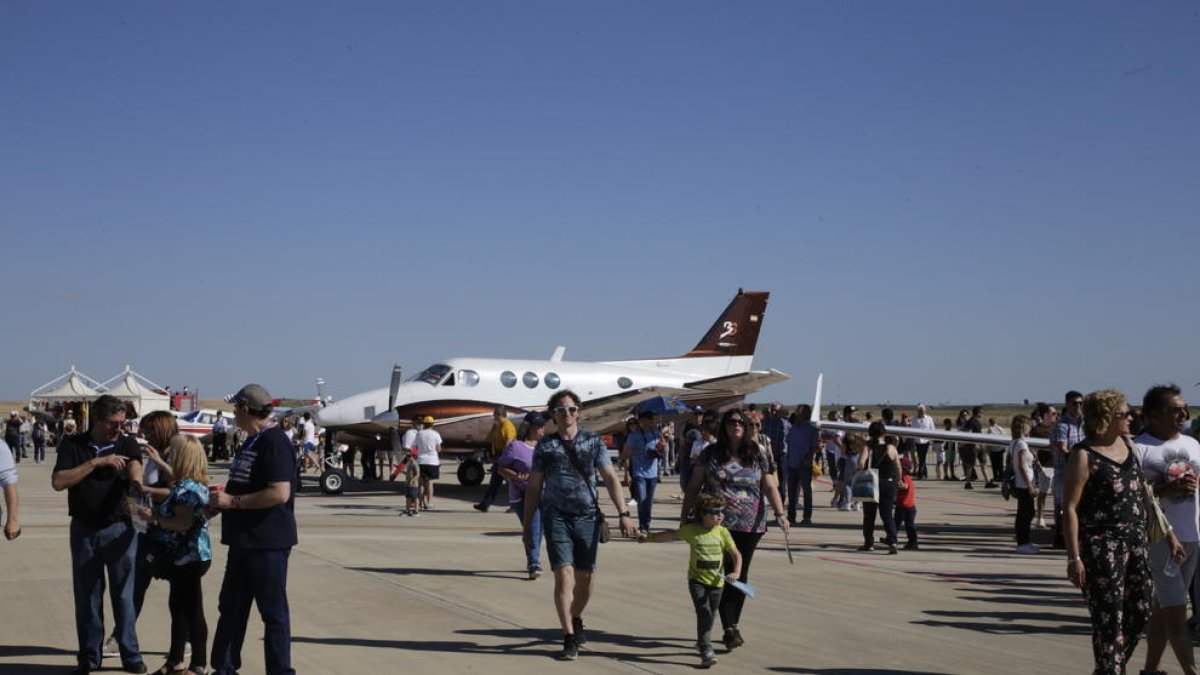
[(460, 393), (199, 423)]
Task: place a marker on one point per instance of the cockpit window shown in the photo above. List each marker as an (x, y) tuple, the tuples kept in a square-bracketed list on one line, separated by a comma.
[(432, 375)]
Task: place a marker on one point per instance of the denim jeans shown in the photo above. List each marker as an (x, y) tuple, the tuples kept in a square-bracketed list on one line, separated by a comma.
[(799, 479), (707, 601), (254, 577), (533, 555), (643, 492), (922, 455), (93, 551)]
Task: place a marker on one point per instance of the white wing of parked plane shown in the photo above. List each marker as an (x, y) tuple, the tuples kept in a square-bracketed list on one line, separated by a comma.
[(909, 432), (603, 413)]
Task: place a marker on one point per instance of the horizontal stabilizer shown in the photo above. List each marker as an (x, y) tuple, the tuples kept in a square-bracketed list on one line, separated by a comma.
[(739, 384)]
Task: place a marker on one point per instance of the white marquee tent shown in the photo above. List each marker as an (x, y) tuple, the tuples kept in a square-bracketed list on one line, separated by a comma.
[(70, 386), (135, 388)]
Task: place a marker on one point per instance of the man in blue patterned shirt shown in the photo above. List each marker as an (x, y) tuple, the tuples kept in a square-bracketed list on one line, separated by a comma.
[(567, 467)]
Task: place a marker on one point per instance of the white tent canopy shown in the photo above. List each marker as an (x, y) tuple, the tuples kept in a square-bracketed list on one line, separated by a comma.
[(71, 386), (137, 389)]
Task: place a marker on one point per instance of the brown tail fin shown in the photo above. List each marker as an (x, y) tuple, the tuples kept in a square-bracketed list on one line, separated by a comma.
[(735, 332)]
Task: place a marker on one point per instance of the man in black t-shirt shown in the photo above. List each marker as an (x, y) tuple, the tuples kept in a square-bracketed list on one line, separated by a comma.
[(12, 435), (258, 523), (97, 468), (969, 452)]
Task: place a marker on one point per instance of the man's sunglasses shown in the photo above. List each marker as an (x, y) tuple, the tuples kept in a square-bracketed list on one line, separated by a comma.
[(566, 410)]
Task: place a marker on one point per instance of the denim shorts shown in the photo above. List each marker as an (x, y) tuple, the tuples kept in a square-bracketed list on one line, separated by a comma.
[(571, 540)]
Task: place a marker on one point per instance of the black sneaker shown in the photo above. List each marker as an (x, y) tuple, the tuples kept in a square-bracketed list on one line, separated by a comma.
[(968, 486), (732, 639), (139, 667), (911, 546), (482, 508), (990, 484), (577, 626), (570, 650)]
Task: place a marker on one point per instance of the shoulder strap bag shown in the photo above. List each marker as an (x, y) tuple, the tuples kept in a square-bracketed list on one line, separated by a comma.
[(1157, 525)]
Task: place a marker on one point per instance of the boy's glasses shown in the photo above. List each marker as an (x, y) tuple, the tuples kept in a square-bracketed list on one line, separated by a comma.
[(714, 512)]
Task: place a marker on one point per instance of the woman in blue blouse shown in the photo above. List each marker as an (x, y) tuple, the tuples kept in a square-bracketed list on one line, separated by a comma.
[(179, 522)]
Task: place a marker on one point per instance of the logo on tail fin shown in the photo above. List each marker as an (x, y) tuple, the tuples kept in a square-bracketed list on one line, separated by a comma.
[(735, 332)]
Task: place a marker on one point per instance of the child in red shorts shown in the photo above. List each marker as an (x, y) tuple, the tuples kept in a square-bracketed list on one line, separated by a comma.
[(906, 505)]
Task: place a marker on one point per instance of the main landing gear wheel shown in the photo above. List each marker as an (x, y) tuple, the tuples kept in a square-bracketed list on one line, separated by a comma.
[(333, 481), (470, 472)]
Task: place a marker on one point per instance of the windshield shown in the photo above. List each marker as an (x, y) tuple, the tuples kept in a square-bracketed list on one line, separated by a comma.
[(432, 375)]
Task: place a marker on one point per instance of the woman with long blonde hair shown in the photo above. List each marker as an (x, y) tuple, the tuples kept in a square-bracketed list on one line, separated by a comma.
[(181, 525)]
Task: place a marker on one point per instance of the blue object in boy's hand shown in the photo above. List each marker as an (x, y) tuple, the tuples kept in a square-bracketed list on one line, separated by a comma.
[(742, 586)]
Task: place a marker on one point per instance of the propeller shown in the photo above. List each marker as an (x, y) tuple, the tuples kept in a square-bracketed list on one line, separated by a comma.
[(397, 378)]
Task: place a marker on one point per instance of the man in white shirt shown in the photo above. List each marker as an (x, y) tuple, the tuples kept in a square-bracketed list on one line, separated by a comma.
[(12, 502), (429, 444), (1171, 463), (924, 422)]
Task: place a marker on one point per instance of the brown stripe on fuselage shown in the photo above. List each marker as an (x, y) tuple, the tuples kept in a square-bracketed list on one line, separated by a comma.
[(440, 410)]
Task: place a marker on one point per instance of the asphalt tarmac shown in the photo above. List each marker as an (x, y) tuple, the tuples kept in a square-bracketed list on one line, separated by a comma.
[(445, 592)]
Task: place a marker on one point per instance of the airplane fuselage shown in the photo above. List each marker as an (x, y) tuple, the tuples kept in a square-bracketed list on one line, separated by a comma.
[(460, 393)]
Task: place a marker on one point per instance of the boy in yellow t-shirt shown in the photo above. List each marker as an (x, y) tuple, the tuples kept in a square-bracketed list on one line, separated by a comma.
[(709, 542)]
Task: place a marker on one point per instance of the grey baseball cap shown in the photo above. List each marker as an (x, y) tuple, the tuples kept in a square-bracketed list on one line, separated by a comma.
[(255, 397)]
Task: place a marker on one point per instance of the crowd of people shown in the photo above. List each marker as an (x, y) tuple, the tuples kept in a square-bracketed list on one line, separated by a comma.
[(1123, 480), (140, 512)]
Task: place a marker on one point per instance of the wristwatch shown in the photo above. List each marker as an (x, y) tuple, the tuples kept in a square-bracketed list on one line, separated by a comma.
[(624, 514)]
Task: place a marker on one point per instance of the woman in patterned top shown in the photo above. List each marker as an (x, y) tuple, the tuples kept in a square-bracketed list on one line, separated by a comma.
[(181, 525), (736, 468), (1106, 531)]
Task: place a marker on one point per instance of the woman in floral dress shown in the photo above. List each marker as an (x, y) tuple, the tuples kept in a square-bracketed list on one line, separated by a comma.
[(1105, 519)]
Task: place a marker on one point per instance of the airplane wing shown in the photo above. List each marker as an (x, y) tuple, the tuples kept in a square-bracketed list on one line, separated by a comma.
[(909, 432), (942, 435), (738, 384), (601, 413)]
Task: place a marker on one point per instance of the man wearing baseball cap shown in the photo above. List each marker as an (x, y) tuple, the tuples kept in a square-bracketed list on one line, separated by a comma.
[(429, 446), (258, 523)]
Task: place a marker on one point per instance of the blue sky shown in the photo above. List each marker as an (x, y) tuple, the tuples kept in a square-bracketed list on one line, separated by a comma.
[(948, 201)]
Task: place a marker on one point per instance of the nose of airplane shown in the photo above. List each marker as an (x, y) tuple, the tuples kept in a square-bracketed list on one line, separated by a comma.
[(333, 415)]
